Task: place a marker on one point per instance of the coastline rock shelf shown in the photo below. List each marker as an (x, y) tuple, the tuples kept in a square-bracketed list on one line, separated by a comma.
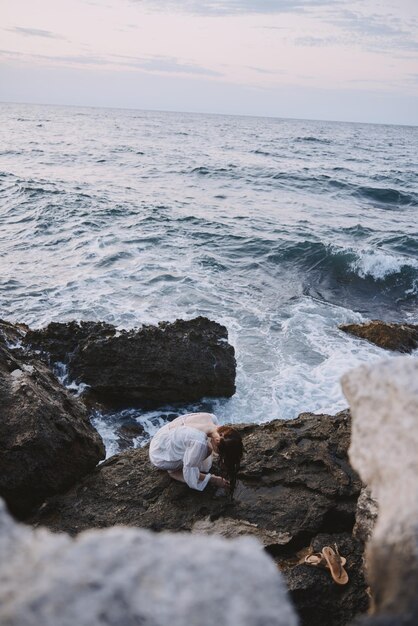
[(181, 361), (296, 489)]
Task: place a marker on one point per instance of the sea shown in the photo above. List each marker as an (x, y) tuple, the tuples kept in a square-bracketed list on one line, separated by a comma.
[(279, 229)]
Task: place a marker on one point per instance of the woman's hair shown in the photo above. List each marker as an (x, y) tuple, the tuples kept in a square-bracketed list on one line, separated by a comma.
[(230, 450)]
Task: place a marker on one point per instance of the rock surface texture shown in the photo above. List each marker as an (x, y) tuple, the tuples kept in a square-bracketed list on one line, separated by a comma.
[(366, 516), (46, 440), (398, 337), (154, 365), (61, 340), (384, 404), (132, 577), (295, 479), (295, 484)]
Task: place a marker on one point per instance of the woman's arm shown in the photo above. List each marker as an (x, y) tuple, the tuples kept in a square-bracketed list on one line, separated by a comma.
[(194, 456)]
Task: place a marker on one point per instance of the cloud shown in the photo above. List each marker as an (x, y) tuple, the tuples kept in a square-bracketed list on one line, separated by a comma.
[(34, 32), (156, 64), (235, 7), (317, 41), (372, 24), (168, 65), (383, 33), (261, 70)]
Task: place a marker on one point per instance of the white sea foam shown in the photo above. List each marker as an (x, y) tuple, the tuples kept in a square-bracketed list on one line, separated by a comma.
[(61, 372), (379, 264), (107, 426), (303, 365), (283, 370)]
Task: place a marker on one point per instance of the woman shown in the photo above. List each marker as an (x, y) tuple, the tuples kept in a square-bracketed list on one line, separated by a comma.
[(185, 446)]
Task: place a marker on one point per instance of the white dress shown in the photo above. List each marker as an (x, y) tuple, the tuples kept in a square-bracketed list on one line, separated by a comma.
[(179, 446)]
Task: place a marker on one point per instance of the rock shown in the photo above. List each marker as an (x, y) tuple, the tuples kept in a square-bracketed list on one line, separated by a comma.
[(295, 480), (127, 432), (295, 483), (366, 516), (399, 337), (12, 334), (132, 577), (319, 600), (61, 340), (46, 440), (155, 365), (384, 404)]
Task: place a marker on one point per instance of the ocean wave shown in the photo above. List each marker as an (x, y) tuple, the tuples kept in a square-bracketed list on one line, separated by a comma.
[(387, 195), (313, 139), (204, 170), (308, 179), (262, 152), (379, 265), (332, 260)]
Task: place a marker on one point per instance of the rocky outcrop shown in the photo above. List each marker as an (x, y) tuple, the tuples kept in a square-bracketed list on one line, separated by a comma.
[(398, 337), (295, 484), (384, 404), (46, 440), (172, 362), (295, 479), (127, 576)]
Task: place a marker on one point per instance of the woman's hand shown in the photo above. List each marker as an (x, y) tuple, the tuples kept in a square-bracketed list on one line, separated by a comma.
[(218, 481)]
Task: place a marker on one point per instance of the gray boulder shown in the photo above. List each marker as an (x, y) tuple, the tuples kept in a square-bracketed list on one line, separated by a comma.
[(384, 405), (131, 577)]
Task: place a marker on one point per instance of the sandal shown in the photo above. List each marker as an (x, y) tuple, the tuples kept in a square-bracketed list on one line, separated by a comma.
[(314, 559), (335, 563), (318, 559)]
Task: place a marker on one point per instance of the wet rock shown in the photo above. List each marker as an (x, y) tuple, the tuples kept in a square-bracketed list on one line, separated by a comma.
[(152, 366), (319, 600), (384, 403), (127, 433), (295, 479), (398, 337), (131, 577), (46, 440), (12, 334)]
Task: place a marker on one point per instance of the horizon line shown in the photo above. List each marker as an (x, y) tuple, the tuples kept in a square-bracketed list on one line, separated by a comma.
[(246, 115)]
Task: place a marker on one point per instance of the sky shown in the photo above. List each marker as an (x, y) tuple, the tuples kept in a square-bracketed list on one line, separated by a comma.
[(346, 60)]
